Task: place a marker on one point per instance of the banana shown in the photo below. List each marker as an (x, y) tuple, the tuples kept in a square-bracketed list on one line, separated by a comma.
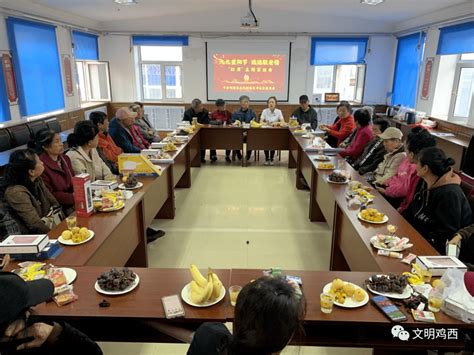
[(197, 276), (198, 296), (209, 287), (195, 287), (255, 124), (217, 286)]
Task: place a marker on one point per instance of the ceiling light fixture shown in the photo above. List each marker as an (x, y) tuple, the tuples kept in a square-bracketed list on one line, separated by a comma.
[(126, 2), (371, 2)]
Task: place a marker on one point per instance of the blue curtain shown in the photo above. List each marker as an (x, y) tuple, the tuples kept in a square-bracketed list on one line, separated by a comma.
[(36, 64), (4, 104), (456, 39), (160, 40), (85, 46), (332, 51), (407, 64)]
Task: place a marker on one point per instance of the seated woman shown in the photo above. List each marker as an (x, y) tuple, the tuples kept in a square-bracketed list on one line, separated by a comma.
[(58, 173), (362, 136), (373, 152), (140, 123), (271, 115), (439, 207), (392, 142), (267, 315), (342, 127), (83, 152), (401, 187), (26, 193), (464, 239)]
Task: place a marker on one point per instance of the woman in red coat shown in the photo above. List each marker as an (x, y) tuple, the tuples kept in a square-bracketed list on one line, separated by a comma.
[(363, 136), (58, 172), (342, 128)]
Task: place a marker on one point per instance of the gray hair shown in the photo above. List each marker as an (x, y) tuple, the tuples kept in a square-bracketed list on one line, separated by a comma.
[(195, 103), (244, 97)]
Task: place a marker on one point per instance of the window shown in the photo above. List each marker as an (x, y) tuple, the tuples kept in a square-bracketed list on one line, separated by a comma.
[(92, 74), (347, 80), (36, 64), (407, 66), (160, 67), (339, 66), (161, 72), (462, 107)]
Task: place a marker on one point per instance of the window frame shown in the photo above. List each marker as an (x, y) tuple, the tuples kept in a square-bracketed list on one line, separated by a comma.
[(334, 80), (87, 81), (460, 64), (162, 65)]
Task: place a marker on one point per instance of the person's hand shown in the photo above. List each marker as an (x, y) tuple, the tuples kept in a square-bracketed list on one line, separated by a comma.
[(39, 331), (380, 189), (15, 328), (457, 238)]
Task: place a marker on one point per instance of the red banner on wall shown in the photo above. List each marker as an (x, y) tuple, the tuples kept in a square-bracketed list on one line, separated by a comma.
[(9, 76), (249, 72), (68, 74), (425, 89)]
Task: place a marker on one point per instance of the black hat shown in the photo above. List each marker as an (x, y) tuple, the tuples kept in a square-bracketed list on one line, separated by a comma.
[(304, 98), (220, 102), (17, 295)]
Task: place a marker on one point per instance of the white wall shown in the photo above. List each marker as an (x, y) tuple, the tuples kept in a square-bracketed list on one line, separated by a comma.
[(116, 50)]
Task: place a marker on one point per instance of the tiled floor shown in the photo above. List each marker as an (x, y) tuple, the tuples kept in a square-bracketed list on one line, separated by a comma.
[(226, 207)]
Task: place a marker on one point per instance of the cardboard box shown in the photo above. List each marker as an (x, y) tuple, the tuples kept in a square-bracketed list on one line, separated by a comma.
[(137, 164), (437, 265), (104, 185), (82, 195), (24, 244)]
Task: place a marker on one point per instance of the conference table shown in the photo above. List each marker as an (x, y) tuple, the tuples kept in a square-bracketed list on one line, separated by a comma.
[(120, 240)]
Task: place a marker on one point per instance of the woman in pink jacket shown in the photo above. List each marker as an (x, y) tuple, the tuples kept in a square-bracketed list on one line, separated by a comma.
[(362, 137), (400, 188)]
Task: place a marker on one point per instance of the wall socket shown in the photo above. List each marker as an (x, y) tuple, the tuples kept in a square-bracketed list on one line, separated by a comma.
[(317, 99)]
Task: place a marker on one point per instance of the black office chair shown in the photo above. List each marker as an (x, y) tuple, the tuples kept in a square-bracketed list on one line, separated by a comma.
[(54, 125), (468, 164), (20, 134), (5, 140), (35, 127)]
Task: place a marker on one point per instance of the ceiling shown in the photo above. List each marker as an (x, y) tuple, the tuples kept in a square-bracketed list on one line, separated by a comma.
[(298, 15)]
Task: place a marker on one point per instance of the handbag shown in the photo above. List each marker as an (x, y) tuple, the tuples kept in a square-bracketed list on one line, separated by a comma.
[(54, 217)]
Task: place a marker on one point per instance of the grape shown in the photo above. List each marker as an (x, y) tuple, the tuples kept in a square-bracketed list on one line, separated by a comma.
[(116, 280)]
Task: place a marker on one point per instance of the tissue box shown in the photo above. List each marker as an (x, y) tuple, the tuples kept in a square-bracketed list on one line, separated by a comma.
[(437, 265)]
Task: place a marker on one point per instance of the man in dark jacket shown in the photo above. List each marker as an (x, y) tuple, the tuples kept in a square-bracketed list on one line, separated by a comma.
[(244, 115), (18, 335), (119, 130), (374, 152), (202, 115), (305, 113)]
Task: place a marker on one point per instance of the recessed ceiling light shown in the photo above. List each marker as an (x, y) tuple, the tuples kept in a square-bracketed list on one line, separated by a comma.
[(126, 2), (371, 2)]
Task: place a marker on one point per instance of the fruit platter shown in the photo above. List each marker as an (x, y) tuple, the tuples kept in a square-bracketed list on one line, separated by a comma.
[(390, 242), (130, 182), (337, 177), (75, 236), (346, 294), (169, 147), (203, 291), (325, 166), (322, 158), (392, 286), (371, 215), (117, 282)]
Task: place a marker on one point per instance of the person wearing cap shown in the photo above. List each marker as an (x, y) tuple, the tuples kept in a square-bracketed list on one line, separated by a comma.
[(19, 335), (342, 128), (464, 239), (219, 117), (305, 113), (120, 129), (392, 142)]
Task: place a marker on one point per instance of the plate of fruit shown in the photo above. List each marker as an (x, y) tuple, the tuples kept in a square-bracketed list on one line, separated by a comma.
[(346, 294), (322, 158), (325, 166), (76, 236), (130, 182), (390, 242), (392, 286), (117, 282), (371, 215), (169, 147), (337, 177), (202, 291)]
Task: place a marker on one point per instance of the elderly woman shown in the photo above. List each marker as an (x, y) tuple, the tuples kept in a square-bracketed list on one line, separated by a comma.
[(271, 115), (83, 152)]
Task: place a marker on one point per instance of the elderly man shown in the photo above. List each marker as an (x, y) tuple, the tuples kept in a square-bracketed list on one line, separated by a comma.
[(305, 113), (202, 115), (120, 129)]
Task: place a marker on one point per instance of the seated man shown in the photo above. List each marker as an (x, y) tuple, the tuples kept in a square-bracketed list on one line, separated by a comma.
[(18, 334), (305, 113), (219, 117), (244, 115), (120, 129), (202, 115)]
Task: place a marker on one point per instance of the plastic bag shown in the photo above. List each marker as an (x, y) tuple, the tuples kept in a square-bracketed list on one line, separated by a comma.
[(458, 303)]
